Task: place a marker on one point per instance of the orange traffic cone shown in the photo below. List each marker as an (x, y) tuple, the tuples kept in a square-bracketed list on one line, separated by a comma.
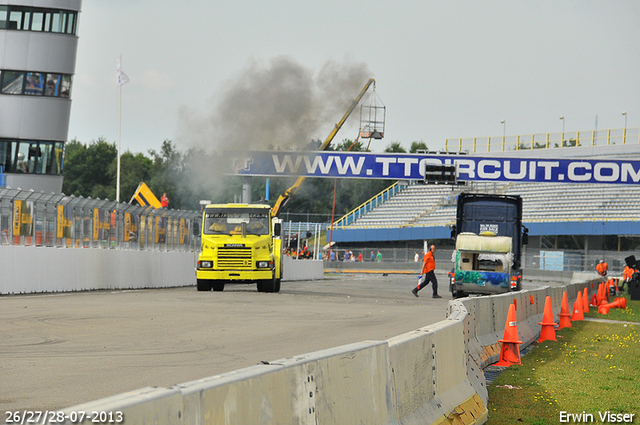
[(605, 293), (565, 315), (594, 300), (600, 298), (531, 299), (623, 302), (618, 303), (603, 309), (585, 301), (577, 308), (548, 331), (510, 352)]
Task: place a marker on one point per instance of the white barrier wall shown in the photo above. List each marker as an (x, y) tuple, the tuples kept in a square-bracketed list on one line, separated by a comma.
[(432, 375), (302, 269), (28, 269)]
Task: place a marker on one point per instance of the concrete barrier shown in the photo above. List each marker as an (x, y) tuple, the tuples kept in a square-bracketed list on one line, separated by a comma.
[(302, 269), (28, 269), (344, 385), (432, 375)]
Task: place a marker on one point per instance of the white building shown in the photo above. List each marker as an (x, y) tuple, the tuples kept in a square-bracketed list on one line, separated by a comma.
[(38, 45)]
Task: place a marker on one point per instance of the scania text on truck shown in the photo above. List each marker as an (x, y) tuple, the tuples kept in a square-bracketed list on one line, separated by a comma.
[(240, 244), (489, 237)]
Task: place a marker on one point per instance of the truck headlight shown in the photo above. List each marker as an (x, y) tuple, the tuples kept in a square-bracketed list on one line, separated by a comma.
[(205, 264), (263, 264)]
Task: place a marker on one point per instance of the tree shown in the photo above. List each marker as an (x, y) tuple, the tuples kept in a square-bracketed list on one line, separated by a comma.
[(133, 170), (416, 146), (395, 147), (89, 169), (348, 145)]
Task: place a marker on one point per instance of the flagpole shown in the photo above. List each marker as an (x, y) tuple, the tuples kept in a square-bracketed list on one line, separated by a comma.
[(119, 135)]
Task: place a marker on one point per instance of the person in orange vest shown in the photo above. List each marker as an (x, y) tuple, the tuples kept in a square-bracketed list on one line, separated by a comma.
[(602, 268), (428, 273), (627, 275)]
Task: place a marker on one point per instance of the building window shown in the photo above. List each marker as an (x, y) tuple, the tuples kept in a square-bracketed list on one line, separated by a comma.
[(12, 82), (31, 157), (25, 18), (35, 83), (3, 17)]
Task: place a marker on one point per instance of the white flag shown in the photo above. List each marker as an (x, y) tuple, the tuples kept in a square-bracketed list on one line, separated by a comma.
[(122, 77)]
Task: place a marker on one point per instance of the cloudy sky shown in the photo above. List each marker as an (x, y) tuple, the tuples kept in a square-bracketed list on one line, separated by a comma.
[(217, 73)]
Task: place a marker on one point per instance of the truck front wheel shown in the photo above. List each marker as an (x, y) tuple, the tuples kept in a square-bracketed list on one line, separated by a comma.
[(204, 285), (218, 286), (270, 285)]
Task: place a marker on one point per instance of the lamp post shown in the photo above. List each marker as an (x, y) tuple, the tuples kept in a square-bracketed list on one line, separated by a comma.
[(504, 132), (562, 137), (624, 134)]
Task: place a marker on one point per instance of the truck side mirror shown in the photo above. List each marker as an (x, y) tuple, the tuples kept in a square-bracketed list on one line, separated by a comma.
[(195, 228), (525, 236), (277, 229)]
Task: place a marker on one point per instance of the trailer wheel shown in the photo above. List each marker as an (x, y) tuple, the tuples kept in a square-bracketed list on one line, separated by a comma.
[(459, 294), (203, 285)]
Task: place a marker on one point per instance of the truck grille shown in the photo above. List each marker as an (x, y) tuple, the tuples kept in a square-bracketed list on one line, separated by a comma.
[(234, 257)]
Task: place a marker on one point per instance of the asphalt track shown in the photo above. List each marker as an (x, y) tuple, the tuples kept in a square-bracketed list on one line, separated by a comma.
[(58, 350)]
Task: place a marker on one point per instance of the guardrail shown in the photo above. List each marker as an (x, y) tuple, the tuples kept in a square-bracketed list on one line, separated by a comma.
[(432, 375), (543, 141), (367, 206)]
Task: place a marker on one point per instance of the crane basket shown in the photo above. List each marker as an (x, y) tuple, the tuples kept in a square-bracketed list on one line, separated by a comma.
[(372, 116)]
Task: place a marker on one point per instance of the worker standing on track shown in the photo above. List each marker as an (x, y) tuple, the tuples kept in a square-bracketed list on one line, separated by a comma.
[(428, 273), (602, 268)]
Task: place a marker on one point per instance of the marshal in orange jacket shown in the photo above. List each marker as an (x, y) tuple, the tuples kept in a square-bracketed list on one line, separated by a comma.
[(429, 263)]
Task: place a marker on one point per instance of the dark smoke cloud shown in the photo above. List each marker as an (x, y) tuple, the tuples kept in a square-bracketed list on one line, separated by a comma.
[(278, 104)]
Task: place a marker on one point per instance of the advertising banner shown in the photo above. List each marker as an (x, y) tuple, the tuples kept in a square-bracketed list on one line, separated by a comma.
[(396, 166), (161, 229), (130, 227), (101, 228), (65, 215), (184, 231)]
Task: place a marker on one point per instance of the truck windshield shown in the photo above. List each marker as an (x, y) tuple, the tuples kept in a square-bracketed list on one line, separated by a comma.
[(228, 221)]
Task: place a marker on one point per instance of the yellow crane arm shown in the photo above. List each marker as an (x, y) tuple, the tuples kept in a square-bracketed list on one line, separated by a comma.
[(284, 198)]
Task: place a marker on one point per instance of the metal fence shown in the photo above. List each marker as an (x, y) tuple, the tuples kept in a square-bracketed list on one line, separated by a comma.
[(56, 220), (532, 259)]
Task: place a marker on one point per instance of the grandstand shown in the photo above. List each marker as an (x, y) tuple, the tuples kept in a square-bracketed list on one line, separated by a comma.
[(426, 205), (415, 211)]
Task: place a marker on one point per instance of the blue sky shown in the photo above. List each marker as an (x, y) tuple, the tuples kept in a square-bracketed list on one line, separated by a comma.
[(443, 69)]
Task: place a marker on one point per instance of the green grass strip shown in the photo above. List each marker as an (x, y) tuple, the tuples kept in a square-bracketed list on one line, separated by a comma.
[(591, 371)]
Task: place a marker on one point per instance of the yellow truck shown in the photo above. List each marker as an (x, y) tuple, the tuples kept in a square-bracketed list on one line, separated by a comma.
[(240, 244)]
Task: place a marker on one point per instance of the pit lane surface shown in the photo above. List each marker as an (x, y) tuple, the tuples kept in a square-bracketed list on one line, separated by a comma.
[(59, 350)]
